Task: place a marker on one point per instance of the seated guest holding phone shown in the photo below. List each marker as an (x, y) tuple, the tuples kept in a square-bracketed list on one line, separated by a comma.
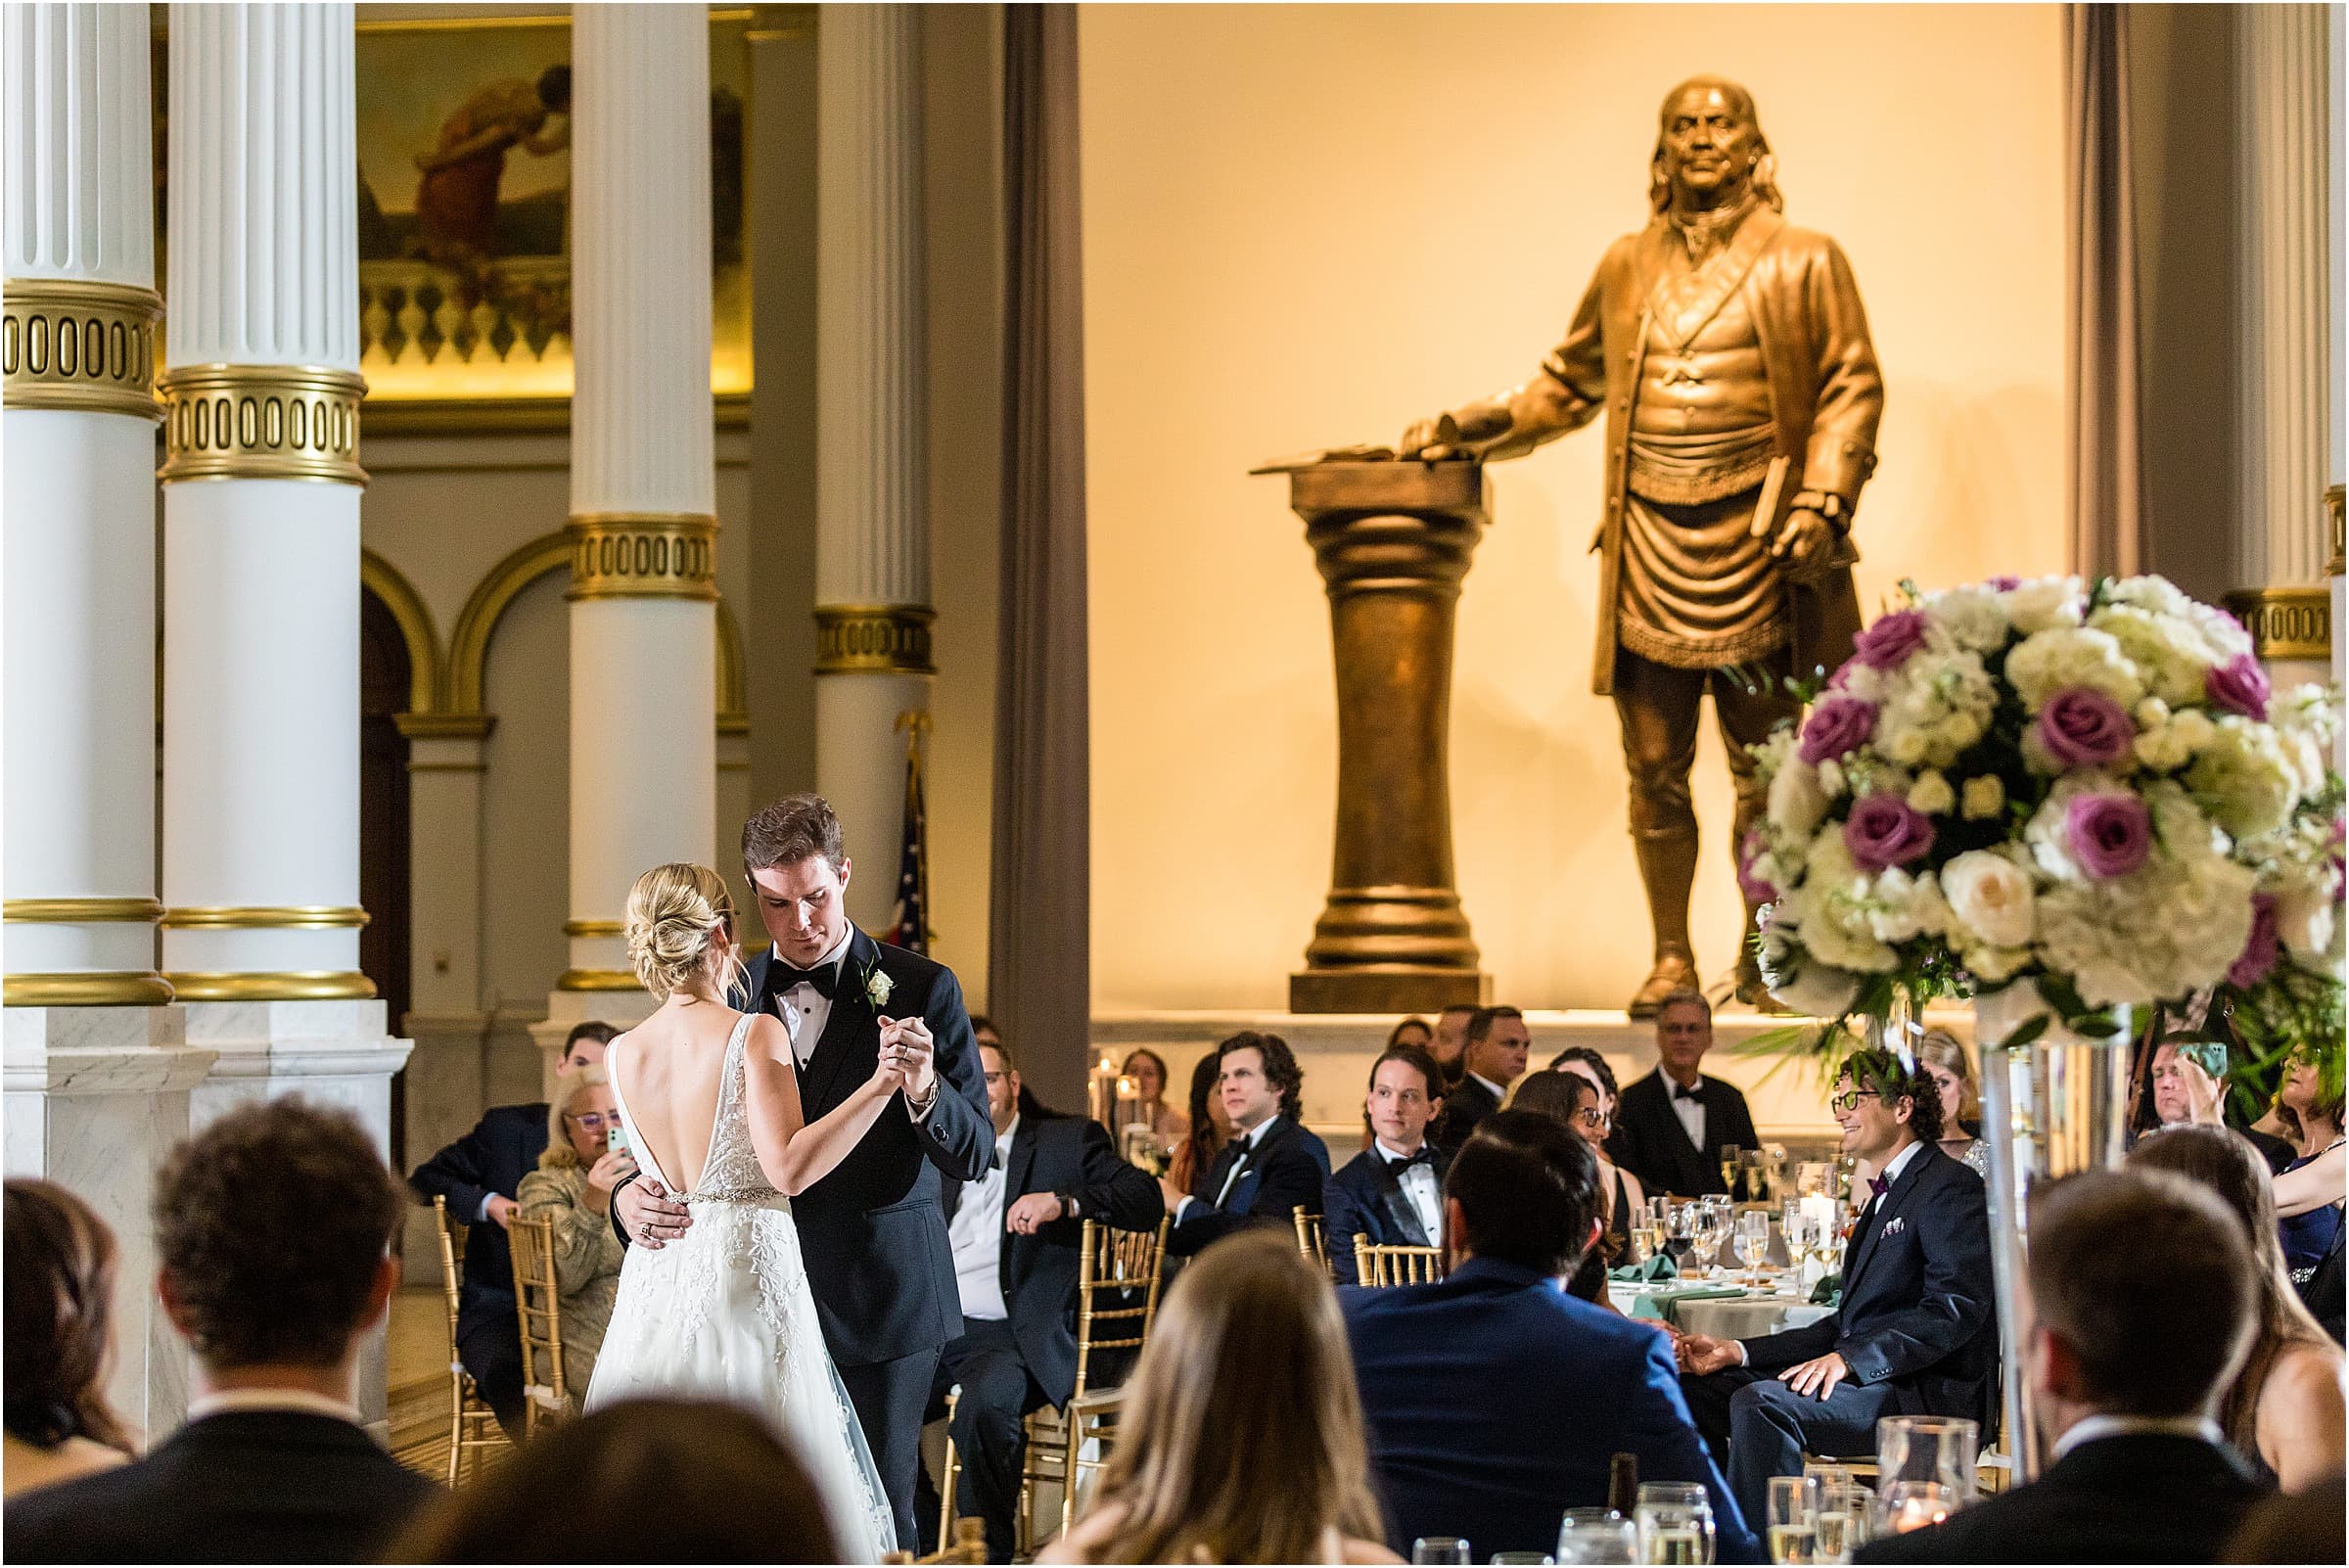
[(1271, 1168), (2143, 1299), (573, 1186), (1494, 1401), (1915, 1334), (1392, 1193)]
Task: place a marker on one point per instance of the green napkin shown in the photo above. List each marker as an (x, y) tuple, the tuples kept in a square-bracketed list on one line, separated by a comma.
[(1659, 1267)]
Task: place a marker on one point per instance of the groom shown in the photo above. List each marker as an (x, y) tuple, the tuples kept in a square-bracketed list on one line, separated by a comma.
[(872, 1232)]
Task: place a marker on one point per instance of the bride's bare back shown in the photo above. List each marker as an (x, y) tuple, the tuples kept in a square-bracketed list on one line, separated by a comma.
[(668, 1070)]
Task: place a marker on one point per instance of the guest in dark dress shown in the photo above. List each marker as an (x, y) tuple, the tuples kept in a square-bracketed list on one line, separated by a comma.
[(1572, 1100), (2308, 1191)]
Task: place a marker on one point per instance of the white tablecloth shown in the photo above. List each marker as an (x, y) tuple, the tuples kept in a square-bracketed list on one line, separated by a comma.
[(1722, 1316)]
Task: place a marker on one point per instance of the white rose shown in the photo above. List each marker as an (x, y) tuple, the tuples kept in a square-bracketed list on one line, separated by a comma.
[(1908, 747), (1932, 795), (1985, 797), (2045, 602), (1991, 896), (1797, 804)]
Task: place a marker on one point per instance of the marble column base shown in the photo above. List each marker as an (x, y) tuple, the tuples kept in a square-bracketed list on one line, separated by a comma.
[(94, 1097)]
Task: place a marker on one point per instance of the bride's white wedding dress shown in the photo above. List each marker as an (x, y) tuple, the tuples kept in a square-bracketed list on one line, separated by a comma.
[(724, 1313)]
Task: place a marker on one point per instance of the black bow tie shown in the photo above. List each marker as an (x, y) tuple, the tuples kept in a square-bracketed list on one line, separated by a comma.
[(823, 977), (1396, 1167), (1682, 1091)]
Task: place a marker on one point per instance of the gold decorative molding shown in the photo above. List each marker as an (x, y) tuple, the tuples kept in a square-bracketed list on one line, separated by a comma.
[(868, 639), (2336, 530), (78, 345), (285, 985), (446, 727), (382, 579), (509, 416), (733, 688), (264, 917), (598, 980), (81, 911), (643, 555), (86, 987), (276, 422), (2286, 623), (594, 928)]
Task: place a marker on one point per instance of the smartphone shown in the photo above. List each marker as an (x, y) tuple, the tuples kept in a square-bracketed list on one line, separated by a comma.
[(616, 1141)]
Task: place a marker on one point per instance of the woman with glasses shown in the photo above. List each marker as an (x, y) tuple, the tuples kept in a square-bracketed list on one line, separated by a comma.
[(574, 1186), (1576, 1097)]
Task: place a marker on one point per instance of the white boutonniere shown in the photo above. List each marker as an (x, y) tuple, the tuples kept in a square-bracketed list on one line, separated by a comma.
[(877, 986), (1895, 1225)]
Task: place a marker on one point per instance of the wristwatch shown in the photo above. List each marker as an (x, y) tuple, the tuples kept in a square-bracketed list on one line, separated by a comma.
[(922, 1106), (1067, 1206)]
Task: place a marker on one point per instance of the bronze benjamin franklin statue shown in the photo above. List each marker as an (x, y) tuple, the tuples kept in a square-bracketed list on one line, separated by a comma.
[(1730, 354)]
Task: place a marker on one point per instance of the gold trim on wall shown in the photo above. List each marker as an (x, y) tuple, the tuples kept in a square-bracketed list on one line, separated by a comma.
[(446, 727), (382, 579), (643, 555), (284, 985), (2338, 530), (86, 987), (733, 691), (2286, 623), (265, 917), (77, 344), (508, 415), (598, 980), (865, 639), (278, 421), (81, 911), (594, 928)]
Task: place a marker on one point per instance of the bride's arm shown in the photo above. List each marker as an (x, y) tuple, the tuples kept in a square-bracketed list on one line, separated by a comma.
[(795, 1154)]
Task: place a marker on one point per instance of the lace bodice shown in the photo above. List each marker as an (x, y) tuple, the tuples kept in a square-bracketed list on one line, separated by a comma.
[(731, 1173)]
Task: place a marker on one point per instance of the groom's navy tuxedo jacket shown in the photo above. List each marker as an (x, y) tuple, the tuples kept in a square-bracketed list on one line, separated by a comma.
[(872, 1232)]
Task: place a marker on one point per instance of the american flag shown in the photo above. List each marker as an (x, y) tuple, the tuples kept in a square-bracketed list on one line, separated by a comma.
[(912, 928)]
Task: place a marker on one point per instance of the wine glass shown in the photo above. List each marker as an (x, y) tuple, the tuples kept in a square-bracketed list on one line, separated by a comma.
[(1598, 1536), (1753, 1242), (1732, 1156), (1679, 1227), (1676, 1522), (1793, 1518), (1706, 1233)]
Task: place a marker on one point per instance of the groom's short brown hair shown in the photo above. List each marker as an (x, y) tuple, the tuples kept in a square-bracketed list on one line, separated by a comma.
[(789, 831)]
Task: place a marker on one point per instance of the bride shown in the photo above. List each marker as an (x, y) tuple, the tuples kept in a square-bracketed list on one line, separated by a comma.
[(710, 1102)]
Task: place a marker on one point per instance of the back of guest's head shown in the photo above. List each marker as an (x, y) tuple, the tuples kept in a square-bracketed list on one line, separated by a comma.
[(2303, 1526), (60, 1273), (1280, 1065), (1551, 1093), (642, 1481), (272, 1227), (1583, 1059), (2145, 1279), (1884, 1074), (1528, 1190), (1246, 1376)]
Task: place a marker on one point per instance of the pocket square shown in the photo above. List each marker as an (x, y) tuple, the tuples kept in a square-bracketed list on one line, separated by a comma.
[(1895, 1225)]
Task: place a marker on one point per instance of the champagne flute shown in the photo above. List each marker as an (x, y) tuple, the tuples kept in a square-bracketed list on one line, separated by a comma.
[(1730, 1157), (1794, 1518), (1707, 1234), (1753, 1243), (1676, 1522)]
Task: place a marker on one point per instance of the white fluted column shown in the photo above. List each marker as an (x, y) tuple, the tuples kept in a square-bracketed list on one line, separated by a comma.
[(643, 476), (2337, 377), (2283, 184), (261, 487), (873, 611), (97, 1074)]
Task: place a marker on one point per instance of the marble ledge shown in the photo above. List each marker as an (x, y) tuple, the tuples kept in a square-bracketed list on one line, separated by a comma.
[(223, 1024), (89, 1071)]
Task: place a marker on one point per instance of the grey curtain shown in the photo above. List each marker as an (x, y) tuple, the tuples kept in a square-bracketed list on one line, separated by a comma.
[(2103, 396), (1039, 980)]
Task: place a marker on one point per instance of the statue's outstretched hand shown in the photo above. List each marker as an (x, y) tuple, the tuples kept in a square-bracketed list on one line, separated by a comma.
[(1428, 440), (1804, 545)]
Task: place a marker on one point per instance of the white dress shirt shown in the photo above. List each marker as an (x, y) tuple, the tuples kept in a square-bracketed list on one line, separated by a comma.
[(1891, 1173), (1248, 1140), (1418, 1184), (806, 1010), (223, 1402), (1498, 1092), (1691, 1113), (976, 1233), (2088, 1429)]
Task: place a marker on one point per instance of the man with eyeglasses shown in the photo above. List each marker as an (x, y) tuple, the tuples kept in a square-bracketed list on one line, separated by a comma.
[(1915, 1334), (479, 1174)]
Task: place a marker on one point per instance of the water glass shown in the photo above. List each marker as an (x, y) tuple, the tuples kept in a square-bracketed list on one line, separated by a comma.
[(1676, 1522), (1793, 1518), (1925, 1469), (1441, 1549), (1598, 1535), (1842, 1517), (1522, 1559)]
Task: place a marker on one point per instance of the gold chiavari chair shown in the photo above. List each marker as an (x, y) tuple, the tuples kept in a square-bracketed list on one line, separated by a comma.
[(1118, 1279), (968, 1546), (1310, 1240), (539, 1305), (472, 1424), (1374, 1265)]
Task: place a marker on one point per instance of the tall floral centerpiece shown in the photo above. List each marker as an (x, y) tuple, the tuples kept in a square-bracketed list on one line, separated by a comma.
[(2070, 802)]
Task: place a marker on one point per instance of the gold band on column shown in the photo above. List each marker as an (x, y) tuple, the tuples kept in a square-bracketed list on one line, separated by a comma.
[(265, 917), (598, 980), (2338, 530), (74, 343), (643, 555), (2286, 623), (86, 987), (299, 422), (595, 928), (285, 985), (873, 639), (81, 911)]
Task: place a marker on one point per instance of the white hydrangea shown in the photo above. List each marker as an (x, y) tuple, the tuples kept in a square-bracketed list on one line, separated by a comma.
[(2306, 723), (2044, 603), (2168, 652), (2175, 925), (2064, 657), (2170, 744), (1833, 909), (1973, 617), (2149, 592), (1900, 907), (1935, 706), (1797, 802), (2243, 778)]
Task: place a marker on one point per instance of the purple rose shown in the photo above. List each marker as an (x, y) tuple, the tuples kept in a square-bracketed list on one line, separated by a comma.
[(2261, 951), (1884, 831), (2239, 686), (1888, 643), (1757, 889), (2006, 583), (1839, 725), (2083, 728), (2111, 835)]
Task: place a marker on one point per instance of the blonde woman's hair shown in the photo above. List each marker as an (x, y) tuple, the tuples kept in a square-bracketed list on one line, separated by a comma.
[(675, 912), (1944, 1049), (560, 1155), (1246, 1375)]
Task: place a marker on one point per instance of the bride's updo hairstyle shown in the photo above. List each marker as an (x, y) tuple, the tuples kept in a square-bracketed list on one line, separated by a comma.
[(675, 912)]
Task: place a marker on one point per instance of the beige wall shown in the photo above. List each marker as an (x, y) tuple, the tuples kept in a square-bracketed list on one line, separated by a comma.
[(1304, 226)]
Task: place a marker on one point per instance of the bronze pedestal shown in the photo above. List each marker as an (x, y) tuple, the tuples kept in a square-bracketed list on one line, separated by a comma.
[(1392, 543)]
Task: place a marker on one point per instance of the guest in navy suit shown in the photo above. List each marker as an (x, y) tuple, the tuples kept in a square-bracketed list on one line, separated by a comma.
[(480, 1175), (1392, 1193), (1915, 1334), (1494, 1400), (1271, 1168)]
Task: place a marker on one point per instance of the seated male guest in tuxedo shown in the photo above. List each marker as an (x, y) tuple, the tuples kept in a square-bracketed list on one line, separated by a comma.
[(1498, 1044), (1671, 1125), (2144, 1306), (480, 1175), (1017, 1234), (1271, 1168), (273, 1229), (1915, 1334), (1494, 1401), (1392, 1193)]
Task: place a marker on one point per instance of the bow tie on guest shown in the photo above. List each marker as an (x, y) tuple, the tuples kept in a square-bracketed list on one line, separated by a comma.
[(823, 977), (1878, 1186), (1682, 1091), (1396, 1166)]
